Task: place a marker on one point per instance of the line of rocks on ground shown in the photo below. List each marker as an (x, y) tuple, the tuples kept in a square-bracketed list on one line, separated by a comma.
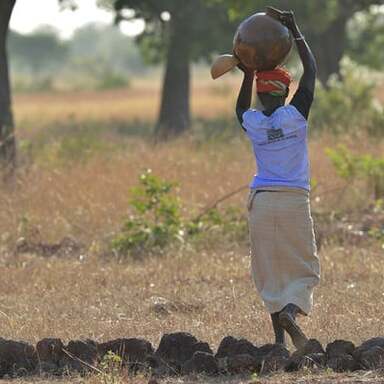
[(183, 354)]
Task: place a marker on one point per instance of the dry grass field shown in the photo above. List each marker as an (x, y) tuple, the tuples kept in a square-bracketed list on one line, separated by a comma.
[(208, 287)]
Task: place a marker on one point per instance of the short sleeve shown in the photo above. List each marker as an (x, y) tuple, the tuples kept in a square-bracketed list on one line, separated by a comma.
[(302, 101), (247, 119)]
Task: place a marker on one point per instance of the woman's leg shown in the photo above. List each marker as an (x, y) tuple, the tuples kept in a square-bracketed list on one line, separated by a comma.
[(278, 329), (287, 320)]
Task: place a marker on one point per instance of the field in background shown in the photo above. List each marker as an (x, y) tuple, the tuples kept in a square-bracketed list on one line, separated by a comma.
[(80, 188), (139, 102)]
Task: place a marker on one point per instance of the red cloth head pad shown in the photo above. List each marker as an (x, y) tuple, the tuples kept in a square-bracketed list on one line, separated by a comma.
[(275, 82)]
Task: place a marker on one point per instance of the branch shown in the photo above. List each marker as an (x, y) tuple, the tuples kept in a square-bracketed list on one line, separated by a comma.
[(218, 201)]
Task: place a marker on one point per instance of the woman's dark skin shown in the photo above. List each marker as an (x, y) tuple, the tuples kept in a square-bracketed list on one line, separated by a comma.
[(269, 102), (284, 320)]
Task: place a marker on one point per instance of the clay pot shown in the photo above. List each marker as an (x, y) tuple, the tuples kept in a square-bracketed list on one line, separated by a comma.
[(261, 43)]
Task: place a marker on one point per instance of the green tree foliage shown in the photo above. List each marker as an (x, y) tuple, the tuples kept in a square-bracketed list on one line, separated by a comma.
[(92, 59), (366, 38), (100, 43), (39, 51), (348, 106)]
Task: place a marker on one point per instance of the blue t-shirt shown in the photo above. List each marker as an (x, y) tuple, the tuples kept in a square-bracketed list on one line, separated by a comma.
[(280, 146)]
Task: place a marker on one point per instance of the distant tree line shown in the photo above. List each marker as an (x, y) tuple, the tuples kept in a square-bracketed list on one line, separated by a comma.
[(92, 58)]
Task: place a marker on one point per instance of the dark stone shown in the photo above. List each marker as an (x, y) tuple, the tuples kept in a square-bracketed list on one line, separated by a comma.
[(274, 364), (243, 363), (312, 361), (268, 358), (231, 346), (16, 358), (274, 358), (177, 348), (201, 362), (304, 357), (372, 358), (133, 352), (312, 346), (342, 363), (339, 348), (375, 342), (86, 351), (50, 351), (273, 350), (159, 367)]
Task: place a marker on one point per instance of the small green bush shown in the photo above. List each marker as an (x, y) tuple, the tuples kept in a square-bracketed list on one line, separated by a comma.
[(347, 105), (112, 80), (110, 366), (28, 83), (217, 225), (350, 167), (156, 222)]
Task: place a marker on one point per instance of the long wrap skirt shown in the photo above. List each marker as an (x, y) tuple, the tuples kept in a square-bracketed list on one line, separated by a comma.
[(285, 265)]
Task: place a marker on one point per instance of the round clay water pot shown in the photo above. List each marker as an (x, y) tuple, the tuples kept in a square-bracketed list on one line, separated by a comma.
[(261, 43)]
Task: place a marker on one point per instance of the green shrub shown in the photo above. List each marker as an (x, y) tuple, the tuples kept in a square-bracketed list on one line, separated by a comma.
[(111, 80), (110, 365), (79, 147), (365, 167), (28, 83), (156, 221), (347, 105), (217, 225)]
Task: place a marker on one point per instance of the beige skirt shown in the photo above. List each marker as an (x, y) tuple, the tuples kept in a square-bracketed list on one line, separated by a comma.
[(285, 266)]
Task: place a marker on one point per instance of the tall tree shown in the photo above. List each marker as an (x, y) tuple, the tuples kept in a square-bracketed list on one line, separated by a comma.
[(178, 32), (7, 137)]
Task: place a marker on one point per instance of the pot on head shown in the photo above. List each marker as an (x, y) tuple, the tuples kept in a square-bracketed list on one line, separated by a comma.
[(261, 43)]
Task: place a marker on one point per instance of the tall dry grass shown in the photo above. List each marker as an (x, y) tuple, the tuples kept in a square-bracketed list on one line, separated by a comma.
[(88, 199)]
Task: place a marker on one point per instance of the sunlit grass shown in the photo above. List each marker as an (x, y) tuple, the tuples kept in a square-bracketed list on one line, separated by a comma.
[(77, 166)]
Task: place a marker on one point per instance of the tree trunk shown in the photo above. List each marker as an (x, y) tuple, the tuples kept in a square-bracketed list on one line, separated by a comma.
[(7, 138), (174, 117), (329, 48)]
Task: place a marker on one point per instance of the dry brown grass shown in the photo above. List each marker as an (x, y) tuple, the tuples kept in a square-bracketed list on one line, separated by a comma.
[(104, 300), (89, 200), (99, 299)]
